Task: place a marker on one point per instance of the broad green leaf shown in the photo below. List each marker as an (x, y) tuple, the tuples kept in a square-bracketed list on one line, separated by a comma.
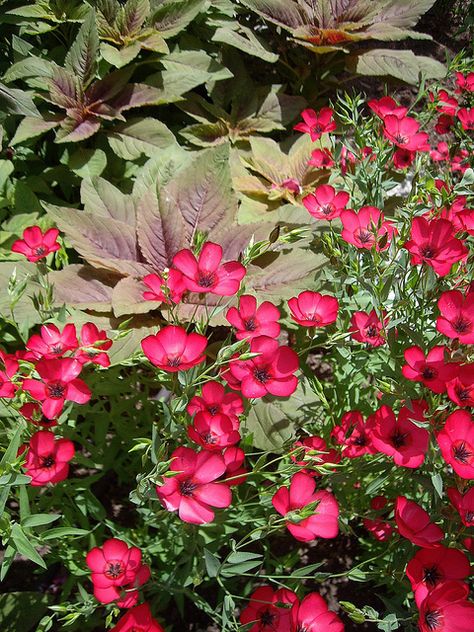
[(87, 163), (16, 101), (140, 136), (32, 126), (244, 39), (24, 546), (171, 16), (83, 287), (103, 198), (127, 298), (119, 57), (83, 54), (285, 13), (402, 64)]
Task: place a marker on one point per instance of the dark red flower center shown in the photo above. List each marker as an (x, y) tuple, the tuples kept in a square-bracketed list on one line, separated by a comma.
[(47, 461), (399, 439), (328, 209), (428, 251), (429, 373), (213, 410), (469, 516), (56, 390), (187, 487), (433, 619), (401, 140), (40, 251), (364, 236), (432, 575), (262, 375), (114, 569), (57, 348), (206, 279), (317, 128), (464, 394), (371, 331), (462, 453), (462, 325), (209, 438), (267, 617), (360, 440), (250, 324), (174, 362)]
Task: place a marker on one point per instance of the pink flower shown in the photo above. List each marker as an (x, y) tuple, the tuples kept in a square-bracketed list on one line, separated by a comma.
[(465, 83), (461, 387), (321, 159), (58, 383), (441, 152), (367, 228), (47, 458), (313, 615), (444, 124), (10, 367), (446, 103), (456, 442), (354, 434), (35, 245), (206, 273), (379, 529), (403, 132), (117, 568), (192, 491), (433, 371), (429, 567), (446, 609), (32, 412), (271, 372), (312, 309), (316, 123), (166, 288), (214, 400), (291, 503), (268, 610), (466, 116), (401, 439), (251, 321), (403, 158), (367, 327), (415, 525), (325, 203), (385, 106), (457, 316), (172, 349), (433, 243), (235, 473), (53, 343), (214, 432), (464, 504), (93, 345), (138, 619)]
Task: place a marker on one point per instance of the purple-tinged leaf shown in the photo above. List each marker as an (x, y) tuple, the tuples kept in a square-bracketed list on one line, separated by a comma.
[(138, 94), (72, 131), (64, 89), (102, 198), (135, 12), (127, 298), (109, 87), (32, 126), (140, 136), (81, 59), (84, 287), (173, 15)]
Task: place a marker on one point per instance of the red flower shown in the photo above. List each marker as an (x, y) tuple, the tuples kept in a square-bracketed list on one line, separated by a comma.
[(366, 228), (206, 273), (401, 439), (321, 159), (446, 609), (313, 615), (441, 152), (172, 349), (316, 123), (192, 491), (271, 372), (403, 132), (235, 473), (461, 388), (465, 83), (10, 364), (444, 124), (466, 116), (354, 434), (403, 158), (456, 442), (214, 400), (116, 568), (430, 567), (431, 370), (433, 242), (414, 523), (58, 383), (47, 458), (138, 619), (312, 309), (251, 321), (380, 529), (291, 503), (52, 343), (214, 432), (93, 344), (385, 106), (267, 610), (315, 454), (32, 412), (464, 504), (167, 288), (457, 316), (35, 245), (366, 327), (446, 103), (325, 203)]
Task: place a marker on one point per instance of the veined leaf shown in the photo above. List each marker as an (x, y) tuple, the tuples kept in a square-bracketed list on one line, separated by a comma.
[(403, 64), (32, 126), (171, 16), (82, 56), (17, 102), (103, 198), (140, 136)]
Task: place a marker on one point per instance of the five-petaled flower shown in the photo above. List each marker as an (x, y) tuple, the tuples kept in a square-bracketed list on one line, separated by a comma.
[(316, 123), (172, 349), (47, 458), (35, 245), (251, 321)]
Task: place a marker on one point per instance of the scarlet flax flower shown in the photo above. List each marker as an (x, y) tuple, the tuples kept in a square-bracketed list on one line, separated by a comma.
[(354, 434), (456, 442), (193, 491), (93, 346), (404, 133), (414, 524), (138, 619), (10, 367), (47, 458), (312, 309), (214, 432), (251, 321), (312, 453), (464, 504), (432, 370), (35, 245), (456, 318), (321, 159), (367, 327), (367, 229), (325, 202), (214, 400), (313, 615), (172, 349), (446, 609), (53, 343), (322, 521), (387, 105), (316, 123), (166, 288), (461, 387)]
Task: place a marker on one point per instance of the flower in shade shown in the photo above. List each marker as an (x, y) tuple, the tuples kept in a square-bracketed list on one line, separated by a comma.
[(269, 610), (456, 319), (138, 619), (367, 229), (116, 568), (206, 273), (403, 158), (312, 452), (51, 342), (47, 458), (380, 529), (214, 432), (172, 349), (35, 245), (93, 345), (313, 615), (321, 159), (251, 321), (466, 116), (444, 124), (312, 309), (432, 370), (10, 367), (441, 152), (445, 103), (235, 472), (456, 442), (316, 123), (215, 401), (58, 383), (446, 609), (354, 434), (165, 288), (464, 504), (461, 387), (193, 490), (404, 133), (414, 524), (271, 372), (434, 244), (430, 567), (399, 438), (309, 514), (367, 327), (325, 202), (32, 411)]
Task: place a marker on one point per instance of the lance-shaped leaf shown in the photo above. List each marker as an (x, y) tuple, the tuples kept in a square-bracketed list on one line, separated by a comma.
[(32, 126), (169, 17), (81, 59), (17, 102), (232, 33)]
